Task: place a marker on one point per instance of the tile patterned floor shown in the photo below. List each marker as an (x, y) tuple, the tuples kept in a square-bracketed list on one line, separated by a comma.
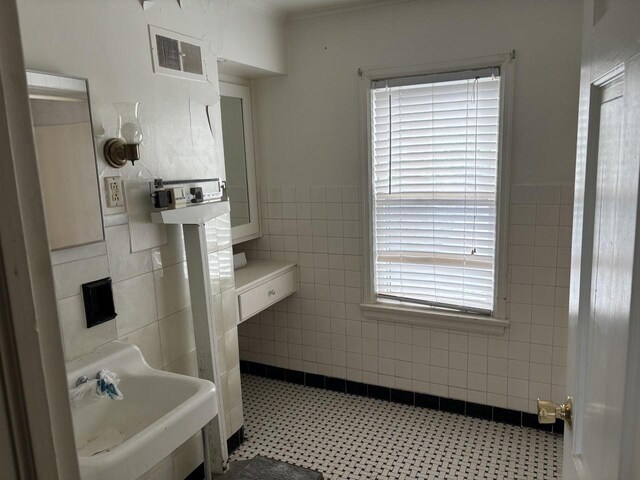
[(355, 438)]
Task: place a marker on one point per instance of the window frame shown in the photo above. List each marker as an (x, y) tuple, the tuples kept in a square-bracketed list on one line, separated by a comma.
[(424, 315)]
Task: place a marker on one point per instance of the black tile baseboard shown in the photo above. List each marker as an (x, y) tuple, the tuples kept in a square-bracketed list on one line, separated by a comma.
[(381, 393), (503, 415), (275, 373), (486, 412), (233, 442), (335, 384), (356, 388), (452, 405), (402, 396), (313, 380), (256, 369), (294, 376), (197, 474), (425, 400), (478, 410)]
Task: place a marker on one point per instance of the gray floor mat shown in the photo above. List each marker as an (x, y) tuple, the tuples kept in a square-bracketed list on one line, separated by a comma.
[(263, 468)]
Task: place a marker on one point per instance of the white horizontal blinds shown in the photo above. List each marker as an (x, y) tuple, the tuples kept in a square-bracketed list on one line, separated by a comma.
[(435, 151)]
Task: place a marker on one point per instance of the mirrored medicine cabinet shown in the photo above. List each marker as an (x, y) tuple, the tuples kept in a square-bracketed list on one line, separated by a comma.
[(239, 160), (63, 132)]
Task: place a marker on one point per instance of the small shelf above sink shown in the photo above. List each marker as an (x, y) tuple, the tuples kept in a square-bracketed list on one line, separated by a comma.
[(190, 215)]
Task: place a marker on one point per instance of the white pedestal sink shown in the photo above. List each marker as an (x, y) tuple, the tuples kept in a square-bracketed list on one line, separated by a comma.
[(159, 412)]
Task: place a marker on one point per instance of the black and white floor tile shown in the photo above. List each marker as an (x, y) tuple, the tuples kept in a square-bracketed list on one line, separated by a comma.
[(357, 438)]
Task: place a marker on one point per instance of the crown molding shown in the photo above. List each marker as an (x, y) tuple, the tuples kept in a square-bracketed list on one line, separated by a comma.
[(263, 7), (351, 7)]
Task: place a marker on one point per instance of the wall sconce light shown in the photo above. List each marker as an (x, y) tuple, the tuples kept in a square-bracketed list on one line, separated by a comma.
[(129, 136)]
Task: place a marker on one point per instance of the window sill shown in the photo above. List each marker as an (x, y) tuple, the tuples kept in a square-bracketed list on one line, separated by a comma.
[(433, 318)]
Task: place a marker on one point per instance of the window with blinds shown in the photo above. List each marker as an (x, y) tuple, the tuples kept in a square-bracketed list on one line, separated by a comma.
[(434, 185)]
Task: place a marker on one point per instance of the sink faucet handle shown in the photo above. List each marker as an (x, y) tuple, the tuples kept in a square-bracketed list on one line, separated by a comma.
[(83, 388)]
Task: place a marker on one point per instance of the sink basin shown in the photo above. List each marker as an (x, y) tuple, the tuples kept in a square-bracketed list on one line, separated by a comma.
[(123, 439)]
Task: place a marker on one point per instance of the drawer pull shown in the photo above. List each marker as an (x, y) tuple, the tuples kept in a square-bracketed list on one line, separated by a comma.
[(265, 294)]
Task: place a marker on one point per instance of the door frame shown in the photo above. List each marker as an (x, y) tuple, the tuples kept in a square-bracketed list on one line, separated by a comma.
[(582, 254), (32, 368), (616, 55), (629, 461)]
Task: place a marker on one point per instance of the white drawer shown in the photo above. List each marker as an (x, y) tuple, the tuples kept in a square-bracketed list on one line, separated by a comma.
[(266, 294)]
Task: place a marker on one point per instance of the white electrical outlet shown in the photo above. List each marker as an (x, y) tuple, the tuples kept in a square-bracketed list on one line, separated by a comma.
[(114, 192)]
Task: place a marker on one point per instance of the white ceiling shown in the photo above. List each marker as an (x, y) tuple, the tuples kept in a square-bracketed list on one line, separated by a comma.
[(294, 7)]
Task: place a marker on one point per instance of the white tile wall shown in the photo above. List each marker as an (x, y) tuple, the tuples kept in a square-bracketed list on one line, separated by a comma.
[(321, 329), (225, 306), (151, 296)]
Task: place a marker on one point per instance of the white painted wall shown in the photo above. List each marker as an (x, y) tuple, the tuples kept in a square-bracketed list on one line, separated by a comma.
[(254, 36), (108, 43), (308, 129), (308, 122)]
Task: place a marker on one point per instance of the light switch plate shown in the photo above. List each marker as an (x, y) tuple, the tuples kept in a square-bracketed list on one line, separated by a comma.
[(113, 189)]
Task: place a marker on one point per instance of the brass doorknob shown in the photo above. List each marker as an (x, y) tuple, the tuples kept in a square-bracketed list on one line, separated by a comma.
[(549, 412)]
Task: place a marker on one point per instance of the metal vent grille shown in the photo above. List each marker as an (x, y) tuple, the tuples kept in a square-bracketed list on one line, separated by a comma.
[(177, 55), (168, 52), (191, 58)]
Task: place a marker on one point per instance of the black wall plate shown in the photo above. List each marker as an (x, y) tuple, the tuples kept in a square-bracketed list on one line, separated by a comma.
[(98, 302)]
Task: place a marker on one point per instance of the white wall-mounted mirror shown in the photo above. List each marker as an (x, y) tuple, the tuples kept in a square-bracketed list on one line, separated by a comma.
[(237, 134), (61, 116)]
